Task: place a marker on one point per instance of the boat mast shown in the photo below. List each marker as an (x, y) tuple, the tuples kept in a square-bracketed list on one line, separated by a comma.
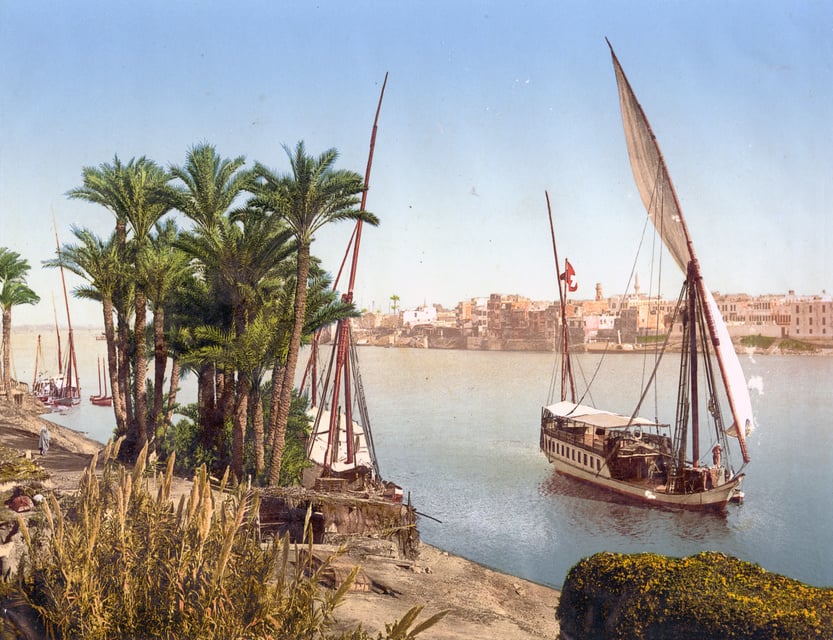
[(58, 334), (72, 362), (566, 361), (37, 358), (693, 314), (342, 338)]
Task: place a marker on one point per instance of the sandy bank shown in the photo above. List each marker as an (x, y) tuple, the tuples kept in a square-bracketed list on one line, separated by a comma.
[(482, 603)]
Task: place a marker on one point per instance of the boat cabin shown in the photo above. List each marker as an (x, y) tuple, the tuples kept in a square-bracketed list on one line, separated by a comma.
[(608, 444)]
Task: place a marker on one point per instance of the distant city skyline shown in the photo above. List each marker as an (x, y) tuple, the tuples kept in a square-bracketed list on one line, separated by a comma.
[(488, 105)]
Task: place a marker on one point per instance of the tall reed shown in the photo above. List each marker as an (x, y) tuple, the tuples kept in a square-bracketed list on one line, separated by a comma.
[(121, 563)]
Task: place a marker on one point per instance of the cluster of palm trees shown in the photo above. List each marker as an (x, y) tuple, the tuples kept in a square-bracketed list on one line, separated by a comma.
[(13, 292), (232, 294)]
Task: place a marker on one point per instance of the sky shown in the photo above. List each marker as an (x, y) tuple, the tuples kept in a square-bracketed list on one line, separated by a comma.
[(488, 105)]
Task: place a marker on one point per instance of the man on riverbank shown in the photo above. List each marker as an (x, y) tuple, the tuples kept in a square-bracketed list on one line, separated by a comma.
[(44, 440)]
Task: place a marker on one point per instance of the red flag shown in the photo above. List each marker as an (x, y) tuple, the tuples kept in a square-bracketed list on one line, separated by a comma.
[(568, 275)]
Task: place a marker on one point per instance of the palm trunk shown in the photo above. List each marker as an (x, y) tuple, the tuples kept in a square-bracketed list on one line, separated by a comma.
[(173, 389), (125, 406), (160, 350), (256, 409), (7, 339), (277, 381), (238, 435), (291, 362), (206, 406), (113, 369), (141, 369), (224, 413)]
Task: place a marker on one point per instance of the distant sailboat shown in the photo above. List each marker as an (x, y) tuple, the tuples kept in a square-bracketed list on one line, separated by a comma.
[(644, 459), (102, 399)]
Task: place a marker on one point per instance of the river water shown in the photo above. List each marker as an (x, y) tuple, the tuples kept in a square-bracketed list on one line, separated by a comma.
[(459, 431)]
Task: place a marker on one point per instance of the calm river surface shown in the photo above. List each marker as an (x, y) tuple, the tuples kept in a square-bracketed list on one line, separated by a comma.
[(459, 431)]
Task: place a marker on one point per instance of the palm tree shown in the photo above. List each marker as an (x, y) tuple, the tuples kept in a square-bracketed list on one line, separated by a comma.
[(211, 185), (163, 269), (99, 262), (394, 302), (241, 256), (134, 193), (13, 292), (311, 197)]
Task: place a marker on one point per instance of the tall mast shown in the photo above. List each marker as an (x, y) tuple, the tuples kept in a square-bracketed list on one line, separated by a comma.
[(72, 363), (57, 334), (342, 337), (566, 361), (693, 313)]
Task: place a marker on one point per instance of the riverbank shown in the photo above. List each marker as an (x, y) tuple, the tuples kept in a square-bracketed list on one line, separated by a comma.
[(481, 603)]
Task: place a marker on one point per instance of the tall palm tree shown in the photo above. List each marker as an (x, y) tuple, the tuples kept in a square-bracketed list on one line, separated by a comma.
[(13, 292), (241, 256), (164, 267), (99, 262), (210, 185), (133, 192), (312, 196)]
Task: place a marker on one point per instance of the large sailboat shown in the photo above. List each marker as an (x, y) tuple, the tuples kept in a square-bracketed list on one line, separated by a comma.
[(687, 463), (340, 447)]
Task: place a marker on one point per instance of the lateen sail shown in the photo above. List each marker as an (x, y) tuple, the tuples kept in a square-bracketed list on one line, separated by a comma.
[(660, 200)]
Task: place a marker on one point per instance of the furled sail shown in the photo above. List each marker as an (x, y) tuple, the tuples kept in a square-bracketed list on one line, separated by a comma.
[(660, 200)]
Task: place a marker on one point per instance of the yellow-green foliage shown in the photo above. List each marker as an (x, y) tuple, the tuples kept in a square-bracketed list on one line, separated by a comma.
[(14, 467), (125, 564), (709, 595), (759, 341), (789, 344)]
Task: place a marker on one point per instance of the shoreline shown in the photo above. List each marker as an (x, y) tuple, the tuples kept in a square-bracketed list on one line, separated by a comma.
[(481, 602)]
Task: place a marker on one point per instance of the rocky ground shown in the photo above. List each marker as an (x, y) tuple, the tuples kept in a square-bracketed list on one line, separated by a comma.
[(481, 603)]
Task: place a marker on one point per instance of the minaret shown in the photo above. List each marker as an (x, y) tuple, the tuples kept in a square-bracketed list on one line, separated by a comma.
[(599, 292), (636, 286)]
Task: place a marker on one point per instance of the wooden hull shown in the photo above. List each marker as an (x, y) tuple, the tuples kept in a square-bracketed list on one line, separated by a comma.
[(645, 491)]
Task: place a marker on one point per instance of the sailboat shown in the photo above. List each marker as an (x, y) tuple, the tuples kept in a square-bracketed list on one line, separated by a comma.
[(641, 458), (102, 399), (343, 493), (340, 447)]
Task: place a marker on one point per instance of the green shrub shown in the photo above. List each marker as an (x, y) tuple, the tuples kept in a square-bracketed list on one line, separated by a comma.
[(702, 597), (121, 563), (757, 341), (789, 344)]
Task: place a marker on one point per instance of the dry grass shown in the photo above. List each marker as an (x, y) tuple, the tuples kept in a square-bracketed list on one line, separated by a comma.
[(117, 562)]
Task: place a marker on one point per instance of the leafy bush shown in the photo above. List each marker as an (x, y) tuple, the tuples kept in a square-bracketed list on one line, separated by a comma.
[(121, 563), (757, 341), (701, 597), (789, 344)]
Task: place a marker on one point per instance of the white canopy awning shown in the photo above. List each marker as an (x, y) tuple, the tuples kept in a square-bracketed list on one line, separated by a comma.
[(594, 417)]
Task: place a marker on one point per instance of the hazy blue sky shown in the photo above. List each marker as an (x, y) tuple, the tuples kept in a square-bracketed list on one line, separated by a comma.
[(488, 104)]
